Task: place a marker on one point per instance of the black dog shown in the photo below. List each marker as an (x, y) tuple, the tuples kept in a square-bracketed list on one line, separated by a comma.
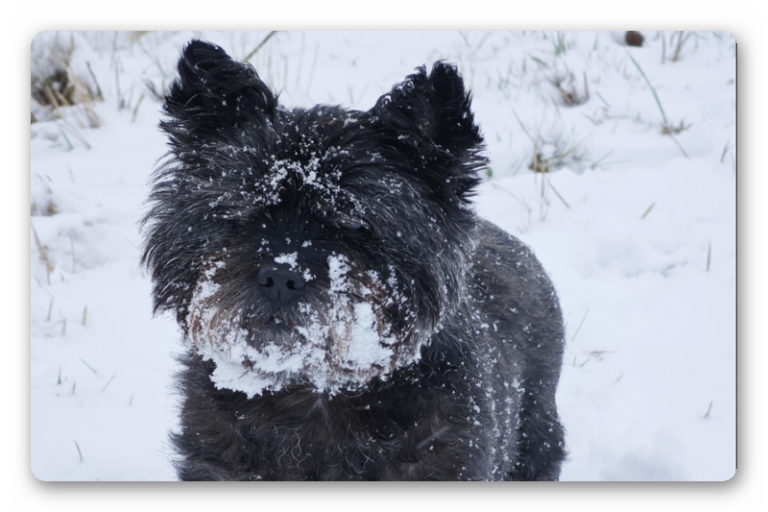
[(347, 314)]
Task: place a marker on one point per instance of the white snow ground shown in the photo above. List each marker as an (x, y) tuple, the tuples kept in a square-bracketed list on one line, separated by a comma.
[(636, 228)]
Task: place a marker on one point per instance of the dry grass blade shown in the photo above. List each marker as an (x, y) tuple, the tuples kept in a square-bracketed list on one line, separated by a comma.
[(79, 453), (678, 144), (580, 324), (158, 95), (99, 95), (43, 250), (136, 109), (567, 97), (653, 90), (76, 133), (108, 383), (572, 98), (648, 211), (525, 130), (680, 42), (89, 366), (83, 96), (725, 151), (262, 43), (558, 194)]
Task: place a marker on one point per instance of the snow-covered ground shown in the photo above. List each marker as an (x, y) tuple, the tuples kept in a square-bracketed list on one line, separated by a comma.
[(636, 227)]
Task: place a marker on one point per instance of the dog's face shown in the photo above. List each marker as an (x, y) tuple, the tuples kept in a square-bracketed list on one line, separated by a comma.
[(318, 246)]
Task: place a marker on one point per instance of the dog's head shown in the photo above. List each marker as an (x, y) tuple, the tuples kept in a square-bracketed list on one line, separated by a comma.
[(316, 245)]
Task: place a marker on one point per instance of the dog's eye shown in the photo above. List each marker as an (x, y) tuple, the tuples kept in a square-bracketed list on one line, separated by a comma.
[(353, 224)]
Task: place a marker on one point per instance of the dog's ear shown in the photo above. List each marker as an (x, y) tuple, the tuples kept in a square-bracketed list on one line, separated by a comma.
[(429, 118), (212, 91)]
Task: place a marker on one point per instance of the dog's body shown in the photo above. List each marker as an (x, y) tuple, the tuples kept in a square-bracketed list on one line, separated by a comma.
[(348, 315)]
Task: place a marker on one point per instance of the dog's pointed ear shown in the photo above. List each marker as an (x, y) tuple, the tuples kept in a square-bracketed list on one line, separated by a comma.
[(429, 118), (212, 90)]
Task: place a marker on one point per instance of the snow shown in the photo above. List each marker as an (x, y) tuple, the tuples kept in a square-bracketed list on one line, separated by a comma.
[(343, 346), (637, 230)]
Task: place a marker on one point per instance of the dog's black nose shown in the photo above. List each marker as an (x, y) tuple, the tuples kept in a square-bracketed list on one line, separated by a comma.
[(279, 284)]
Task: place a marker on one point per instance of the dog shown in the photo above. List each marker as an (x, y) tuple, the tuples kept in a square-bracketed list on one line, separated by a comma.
[(346, 314)]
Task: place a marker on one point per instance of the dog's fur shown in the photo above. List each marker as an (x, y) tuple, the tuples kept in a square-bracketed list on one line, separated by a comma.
[(347, 314)]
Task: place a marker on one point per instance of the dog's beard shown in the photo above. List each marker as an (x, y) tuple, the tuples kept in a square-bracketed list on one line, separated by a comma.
[(341, 341)]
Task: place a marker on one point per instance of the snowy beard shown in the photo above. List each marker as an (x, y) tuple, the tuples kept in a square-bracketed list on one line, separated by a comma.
[(343, 342)]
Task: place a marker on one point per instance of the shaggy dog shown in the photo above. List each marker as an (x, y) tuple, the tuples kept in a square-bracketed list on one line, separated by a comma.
[(346, 313)]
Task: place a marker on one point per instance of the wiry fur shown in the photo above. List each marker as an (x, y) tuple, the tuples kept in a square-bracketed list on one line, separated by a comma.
[(437, 353)]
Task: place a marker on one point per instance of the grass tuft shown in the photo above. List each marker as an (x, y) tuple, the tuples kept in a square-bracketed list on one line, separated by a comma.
[(559, 44), (58, 93)]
